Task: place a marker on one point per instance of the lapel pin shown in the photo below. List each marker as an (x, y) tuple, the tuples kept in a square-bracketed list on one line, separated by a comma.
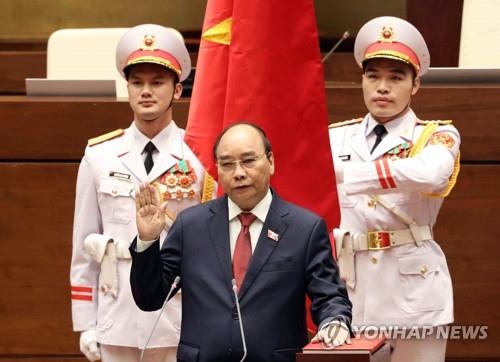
[(272, 235)]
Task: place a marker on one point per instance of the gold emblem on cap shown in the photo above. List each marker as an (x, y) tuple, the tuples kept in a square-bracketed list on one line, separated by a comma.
[(148, 42), (387, 35)]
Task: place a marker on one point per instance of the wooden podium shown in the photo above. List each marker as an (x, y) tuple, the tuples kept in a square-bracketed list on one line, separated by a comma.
[(362, 349)]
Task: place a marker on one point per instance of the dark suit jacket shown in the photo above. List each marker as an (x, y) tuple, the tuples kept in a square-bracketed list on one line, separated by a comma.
[(272, 297)]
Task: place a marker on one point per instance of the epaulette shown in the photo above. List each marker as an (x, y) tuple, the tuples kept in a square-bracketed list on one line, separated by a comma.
[(439, 122), (345, 123), (105, 137)]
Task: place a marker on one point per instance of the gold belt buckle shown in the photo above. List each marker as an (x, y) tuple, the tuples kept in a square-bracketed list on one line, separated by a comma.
[(378, 240)]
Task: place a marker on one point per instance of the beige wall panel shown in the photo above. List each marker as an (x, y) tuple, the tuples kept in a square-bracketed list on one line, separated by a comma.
[(39, 18)]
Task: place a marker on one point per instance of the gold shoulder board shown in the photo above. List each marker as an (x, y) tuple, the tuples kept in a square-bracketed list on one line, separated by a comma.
[(439, 122), (105, 137), (345, 123)]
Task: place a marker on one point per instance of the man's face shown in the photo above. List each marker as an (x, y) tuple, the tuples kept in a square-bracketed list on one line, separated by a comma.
[(387, 88), (151, 90), (246, 182)]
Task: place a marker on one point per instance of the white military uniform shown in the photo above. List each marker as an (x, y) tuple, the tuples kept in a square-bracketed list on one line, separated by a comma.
[(396, 274), (109, 175), (403, 285)]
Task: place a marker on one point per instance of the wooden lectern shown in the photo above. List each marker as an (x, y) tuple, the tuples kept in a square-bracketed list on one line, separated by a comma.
[(362, 349)]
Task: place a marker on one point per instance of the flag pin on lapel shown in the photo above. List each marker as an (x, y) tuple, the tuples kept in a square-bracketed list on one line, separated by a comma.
[(272, 235)]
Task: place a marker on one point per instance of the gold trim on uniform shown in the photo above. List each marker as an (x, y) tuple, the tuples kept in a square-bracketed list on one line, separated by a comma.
[(155, 60), (105, 137), (345, 123), (428, 132), (392, 54), (439, 122), (208, 188)]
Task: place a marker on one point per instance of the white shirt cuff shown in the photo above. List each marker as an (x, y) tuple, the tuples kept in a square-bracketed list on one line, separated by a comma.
[(143, 244)]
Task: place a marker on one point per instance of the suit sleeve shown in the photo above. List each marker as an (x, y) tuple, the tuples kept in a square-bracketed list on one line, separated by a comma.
[(154, 270), (326, 290), (84, 274), (428, 171)]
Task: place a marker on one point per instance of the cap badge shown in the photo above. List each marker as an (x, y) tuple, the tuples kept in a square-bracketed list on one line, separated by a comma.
[(148, 42), (387, 35)]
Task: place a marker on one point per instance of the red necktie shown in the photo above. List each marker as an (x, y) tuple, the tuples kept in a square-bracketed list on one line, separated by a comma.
[(243, 248)]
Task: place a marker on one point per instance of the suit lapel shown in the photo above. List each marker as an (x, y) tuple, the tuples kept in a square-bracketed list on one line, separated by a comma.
[(358, 142), (403, 133), (388, 143), (170, 153), (266, 245), (131, 158), (164, 162), (218, 227)]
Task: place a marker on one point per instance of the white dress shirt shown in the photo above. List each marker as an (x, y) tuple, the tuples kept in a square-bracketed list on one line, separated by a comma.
[(260, 211)]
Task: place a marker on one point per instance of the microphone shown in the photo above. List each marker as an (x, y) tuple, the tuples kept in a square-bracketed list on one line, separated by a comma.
[(172, 288), (344, 36), (235, 291)]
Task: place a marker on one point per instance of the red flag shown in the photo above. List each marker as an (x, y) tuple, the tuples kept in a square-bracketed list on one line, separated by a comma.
[(259, 61)]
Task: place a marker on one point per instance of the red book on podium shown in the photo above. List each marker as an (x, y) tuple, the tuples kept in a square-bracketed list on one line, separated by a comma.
[(362, 349)]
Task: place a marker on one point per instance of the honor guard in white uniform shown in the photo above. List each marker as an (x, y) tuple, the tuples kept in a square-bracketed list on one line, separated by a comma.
[(393, 171), (154, 60)]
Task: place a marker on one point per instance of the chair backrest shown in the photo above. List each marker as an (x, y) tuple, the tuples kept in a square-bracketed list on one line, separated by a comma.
[(85, 54), (480, 37)]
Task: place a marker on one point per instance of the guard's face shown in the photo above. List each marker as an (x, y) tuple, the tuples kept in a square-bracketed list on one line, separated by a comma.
[(243, 168), (387, 88), (151, 91)]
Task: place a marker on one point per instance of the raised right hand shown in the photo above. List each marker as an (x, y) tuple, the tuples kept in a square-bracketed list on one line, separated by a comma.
[(150, 212)]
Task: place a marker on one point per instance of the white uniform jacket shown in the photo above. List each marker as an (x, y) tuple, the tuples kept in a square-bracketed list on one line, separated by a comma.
[(405, 285), (108, 177)]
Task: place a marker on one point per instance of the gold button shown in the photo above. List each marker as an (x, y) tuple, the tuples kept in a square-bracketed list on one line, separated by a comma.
[(374, 260), (371, 203), (114, 192), (423, 270)]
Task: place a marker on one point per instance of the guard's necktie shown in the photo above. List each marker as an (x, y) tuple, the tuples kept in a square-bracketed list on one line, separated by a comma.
[(380, 131), (243, 248), (148, 162)]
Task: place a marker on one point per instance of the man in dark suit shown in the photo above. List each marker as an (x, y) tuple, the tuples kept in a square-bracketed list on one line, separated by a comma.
[(277, 253)]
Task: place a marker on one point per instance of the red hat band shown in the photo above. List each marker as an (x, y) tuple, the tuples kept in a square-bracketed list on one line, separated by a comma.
[(154, 56), (393, 50)]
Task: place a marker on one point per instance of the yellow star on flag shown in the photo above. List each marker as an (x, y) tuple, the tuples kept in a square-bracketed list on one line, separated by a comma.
[(219, 33)]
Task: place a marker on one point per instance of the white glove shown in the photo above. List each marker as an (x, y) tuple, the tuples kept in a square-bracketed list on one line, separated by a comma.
[(89, 346), (333, 334)]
